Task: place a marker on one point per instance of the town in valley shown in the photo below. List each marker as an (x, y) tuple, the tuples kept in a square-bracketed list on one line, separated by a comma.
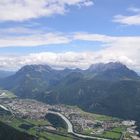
[(82, 122)]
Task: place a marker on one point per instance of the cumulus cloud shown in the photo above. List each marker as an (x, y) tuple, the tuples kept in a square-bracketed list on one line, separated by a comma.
[(125, 49), (20, 10), (83, 60), (57, 60), (129, 20)]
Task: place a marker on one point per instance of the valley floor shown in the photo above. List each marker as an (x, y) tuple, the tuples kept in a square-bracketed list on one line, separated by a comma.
[(29, 116)]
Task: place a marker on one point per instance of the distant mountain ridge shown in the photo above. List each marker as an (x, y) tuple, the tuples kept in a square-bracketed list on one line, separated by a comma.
[(112, 71), (100, 67), (111, 88)]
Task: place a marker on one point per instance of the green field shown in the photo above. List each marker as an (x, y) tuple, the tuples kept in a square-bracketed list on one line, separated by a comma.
[(119, 129), (93, 115), (35, 127), (38, 122), (7, 94), (112, 135), (43, 135)]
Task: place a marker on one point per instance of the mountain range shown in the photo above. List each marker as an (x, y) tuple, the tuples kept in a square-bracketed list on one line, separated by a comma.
[(111, 89)]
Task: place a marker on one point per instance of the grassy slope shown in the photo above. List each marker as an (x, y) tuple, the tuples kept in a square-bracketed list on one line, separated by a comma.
[(42, 135), (8, 94), (8, 133)]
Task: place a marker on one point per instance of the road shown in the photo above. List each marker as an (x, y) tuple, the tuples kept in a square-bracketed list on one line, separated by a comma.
[(123, 135), (3, 107), (70, 127), (69, 124)]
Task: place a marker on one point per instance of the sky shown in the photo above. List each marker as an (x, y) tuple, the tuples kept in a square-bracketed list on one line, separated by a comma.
[(69, 33)]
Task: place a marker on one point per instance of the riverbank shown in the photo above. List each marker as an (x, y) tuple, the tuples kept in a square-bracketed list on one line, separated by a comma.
[(70, 127)]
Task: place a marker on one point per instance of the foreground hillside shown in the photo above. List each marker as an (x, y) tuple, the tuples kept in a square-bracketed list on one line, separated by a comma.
[(9, 133), (111, 89)]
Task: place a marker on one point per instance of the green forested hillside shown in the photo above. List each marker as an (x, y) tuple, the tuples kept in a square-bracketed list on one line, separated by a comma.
[(9, 133), (111, 88)]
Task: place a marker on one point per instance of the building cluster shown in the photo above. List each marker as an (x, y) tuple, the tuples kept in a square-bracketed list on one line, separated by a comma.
[(82, 121), (25, 108), (28, 108)]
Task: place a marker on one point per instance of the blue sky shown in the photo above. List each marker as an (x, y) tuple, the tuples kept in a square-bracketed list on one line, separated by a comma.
[(74, 33)]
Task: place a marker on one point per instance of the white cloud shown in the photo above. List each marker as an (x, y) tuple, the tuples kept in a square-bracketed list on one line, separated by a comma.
[(25, 37), (129, 56), (134, 9), (110, 41), (125, 49), (93, 37), (20, 10), (57, 60), (129, 20), (34, 40)]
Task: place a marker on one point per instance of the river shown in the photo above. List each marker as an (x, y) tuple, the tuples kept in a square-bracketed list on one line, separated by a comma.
[(70, 127)]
